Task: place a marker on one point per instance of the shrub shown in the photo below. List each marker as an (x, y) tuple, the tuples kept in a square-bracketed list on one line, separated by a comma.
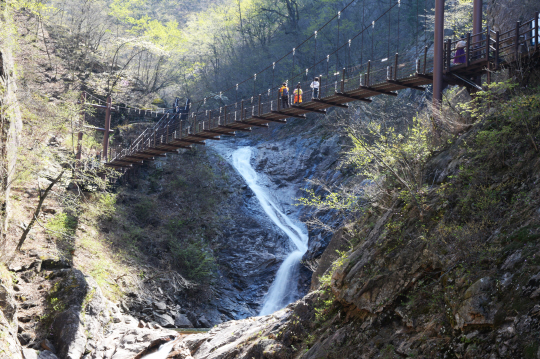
[(194, 259)]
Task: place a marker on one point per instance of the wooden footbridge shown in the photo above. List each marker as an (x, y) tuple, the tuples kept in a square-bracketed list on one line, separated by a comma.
[(485, 51)]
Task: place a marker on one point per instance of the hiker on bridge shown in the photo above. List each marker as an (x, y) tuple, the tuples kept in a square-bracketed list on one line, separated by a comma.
[(460, 51), (298, 94), (284, 93), (315, 86)]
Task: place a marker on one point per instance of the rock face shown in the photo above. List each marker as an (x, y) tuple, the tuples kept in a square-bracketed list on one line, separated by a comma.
[(11, 119), (10, 347), (93, 327)]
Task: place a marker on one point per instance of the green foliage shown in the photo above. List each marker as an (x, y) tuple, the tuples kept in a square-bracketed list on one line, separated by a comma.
[(395, 158), (194, 259), (62, 224), (144, 211)]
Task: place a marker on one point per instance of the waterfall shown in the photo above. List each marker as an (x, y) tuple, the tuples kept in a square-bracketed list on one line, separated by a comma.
[(284, 288)]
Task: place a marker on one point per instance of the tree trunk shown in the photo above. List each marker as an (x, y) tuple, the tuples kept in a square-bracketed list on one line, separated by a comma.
[(42, 198)]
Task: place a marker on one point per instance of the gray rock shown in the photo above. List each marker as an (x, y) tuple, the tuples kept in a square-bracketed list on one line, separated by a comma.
[(47, 345), (69, 334), (25, 338), (29, 353), (37, 265), (182, 321), (160, 305), (49, 263), (204, 322), (7, 303), (475, 308), (512, 261), (47, 355), (28, 276), (164, 320)]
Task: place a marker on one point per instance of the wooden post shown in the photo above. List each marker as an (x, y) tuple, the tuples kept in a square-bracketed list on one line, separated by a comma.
[(242, 109), (167, 138), (518, 25), (107, 127), (224, 115), (260, 104)]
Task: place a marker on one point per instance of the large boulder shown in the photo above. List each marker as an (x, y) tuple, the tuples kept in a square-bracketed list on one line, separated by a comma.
[(182, 321), (165, 320), (69, 334), (476, 308), (85, 314)]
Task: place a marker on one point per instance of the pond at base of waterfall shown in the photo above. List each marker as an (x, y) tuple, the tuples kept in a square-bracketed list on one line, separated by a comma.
[(284, 288)]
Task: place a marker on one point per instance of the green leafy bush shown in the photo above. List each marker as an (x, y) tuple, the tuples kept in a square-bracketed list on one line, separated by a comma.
[(194, 259)]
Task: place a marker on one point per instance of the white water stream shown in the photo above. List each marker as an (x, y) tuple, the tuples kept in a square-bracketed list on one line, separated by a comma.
[(284, 288), (162, 352)]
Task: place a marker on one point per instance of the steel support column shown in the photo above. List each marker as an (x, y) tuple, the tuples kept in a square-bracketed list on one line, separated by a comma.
[(477, 29), (438, 64), (477, 18)]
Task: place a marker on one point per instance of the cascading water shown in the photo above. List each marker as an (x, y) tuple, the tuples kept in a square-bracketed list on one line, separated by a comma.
[(162, 352), (284, 288)]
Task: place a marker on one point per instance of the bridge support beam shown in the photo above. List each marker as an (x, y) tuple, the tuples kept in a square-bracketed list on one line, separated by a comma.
[(477, 28), (438, 82)]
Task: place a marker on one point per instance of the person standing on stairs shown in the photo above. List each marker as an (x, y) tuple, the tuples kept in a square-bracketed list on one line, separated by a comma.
[(298, 94), (315, 86), (284, 92)]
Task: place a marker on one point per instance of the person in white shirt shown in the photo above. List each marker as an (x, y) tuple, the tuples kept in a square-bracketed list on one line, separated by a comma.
[(315, 86)]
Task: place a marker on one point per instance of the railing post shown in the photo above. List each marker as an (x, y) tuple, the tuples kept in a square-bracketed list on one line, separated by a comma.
[(488, 44), (259, 109), (209, 118), (224, 115), (518, 25), (242, 110), (497, 49), (343, 80), (537, 35), (167, 138), (396, 67), (425, 59), (468, 50), (449, 59), (368, 80)]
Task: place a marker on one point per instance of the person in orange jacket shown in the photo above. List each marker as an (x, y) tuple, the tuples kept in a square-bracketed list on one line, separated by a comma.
[(298, 94)]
